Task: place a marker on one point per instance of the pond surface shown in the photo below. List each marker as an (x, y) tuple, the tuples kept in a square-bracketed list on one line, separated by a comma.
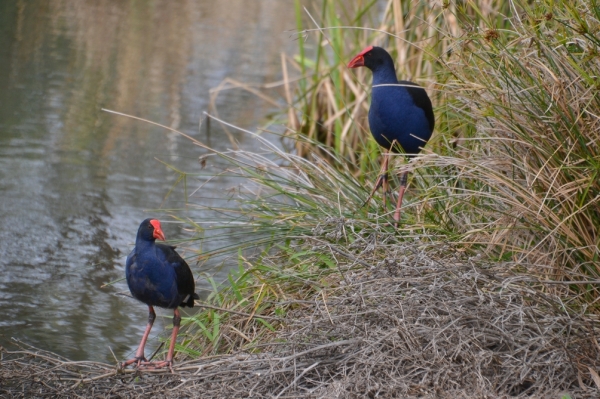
[(75, 182)]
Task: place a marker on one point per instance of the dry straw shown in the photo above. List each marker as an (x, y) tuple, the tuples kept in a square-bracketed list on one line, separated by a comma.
[(423, 321)]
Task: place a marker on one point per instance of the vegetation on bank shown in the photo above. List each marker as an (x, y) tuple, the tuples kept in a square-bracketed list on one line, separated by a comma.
[(511, 175), (489, 288)]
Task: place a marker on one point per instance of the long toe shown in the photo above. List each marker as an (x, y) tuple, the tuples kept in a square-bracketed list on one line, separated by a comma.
[(157, 365), (137, 360)]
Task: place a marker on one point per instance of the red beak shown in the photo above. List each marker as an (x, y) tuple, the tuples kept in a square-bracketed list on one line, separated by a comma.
[(158, 233), (357, 61)]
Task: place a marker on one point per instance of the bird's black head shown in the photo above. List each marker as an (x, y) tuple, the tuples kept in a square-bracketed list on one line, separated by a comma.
[(150, 230), (373, 58)]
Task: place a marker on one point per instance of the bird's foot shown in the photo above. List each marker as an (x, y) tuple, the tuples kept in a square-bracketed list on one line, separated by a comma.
[(139, 360), (382, 181), (157, 365)]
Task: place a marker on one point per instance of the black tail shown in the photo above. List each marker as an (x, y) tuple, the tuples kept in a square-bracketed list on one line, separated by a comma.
[(190, 301)]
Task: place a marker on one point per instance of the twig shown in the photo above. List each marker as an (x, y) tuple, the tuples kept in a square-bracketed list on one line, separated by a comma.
[(306, 370)]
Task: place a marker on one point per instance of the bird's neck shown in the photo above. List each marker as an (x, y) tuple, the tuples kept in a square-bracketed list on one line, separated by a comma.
[(141, 244), (385, 75)]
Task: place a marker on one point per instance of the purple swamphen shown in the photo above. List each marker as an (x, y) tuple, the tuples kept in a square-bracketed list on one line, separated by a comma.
[(158, 276), (400, 117)]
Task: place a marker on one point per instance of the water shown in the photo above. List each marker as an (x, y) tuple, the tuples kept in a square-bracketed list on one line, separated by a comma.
[(75, 182)]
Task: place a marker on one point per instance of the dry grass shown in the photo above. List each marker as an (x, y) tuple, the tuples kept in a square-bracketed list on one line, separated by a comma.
[(406, 321), (522, 173)]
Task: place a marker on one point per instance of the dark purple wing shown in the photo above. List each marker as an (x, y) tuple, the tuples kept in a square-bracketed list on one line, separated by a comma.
[(421, 100), (184, 277)]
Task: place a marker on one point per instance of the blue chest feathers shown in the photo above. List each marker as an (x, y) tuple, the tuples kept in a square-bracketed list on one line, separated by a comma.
[(394, 116), (151, 278)]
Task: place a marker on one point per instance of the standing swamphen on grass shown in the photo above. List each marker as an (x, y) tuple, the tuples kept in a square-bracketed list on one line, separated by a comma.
[(401, 116), (158, 276)]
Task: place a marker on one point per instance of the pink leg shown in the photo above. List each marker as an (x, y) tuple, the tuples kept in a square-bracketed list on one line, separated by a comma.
[(403, 180), (169, 361), (382, 180), (139, 354)]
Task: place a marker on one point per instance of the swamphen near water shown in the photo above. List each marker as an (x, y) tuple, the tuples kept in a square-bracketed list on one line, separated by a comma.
[(400, 117), (158, 276)]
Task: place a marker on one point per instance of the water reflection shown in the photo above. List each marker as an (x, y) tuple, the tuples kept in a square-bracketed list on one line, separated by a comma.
[(75, 181)]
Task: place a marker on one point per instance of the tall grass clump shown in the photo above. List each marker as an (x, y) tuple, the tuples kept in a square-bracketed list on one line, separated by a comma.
[(524, 180), (512, 170)]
